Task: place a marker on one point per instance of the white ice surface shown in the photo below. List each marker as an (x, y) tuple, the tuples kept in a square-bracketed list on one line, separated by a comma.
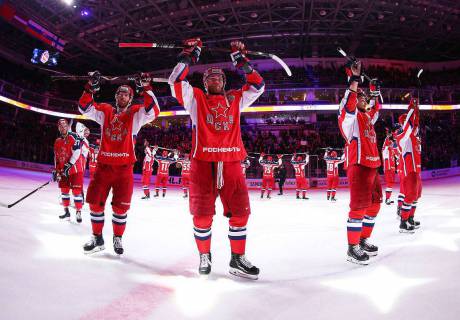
[(300, 247)]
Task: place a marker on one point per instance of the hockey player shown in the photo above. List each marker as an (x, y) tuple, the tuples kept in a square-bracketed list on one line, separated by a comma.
[(396, 129), (410, 147), (92, 155), (388, 156), (185, 164), (299, 165), (116, 157), (245, 164), (146, 170), (357, 117), (83, 133), (268, 178), (68, 168), (217, 151), (332, 172), (164, 161)]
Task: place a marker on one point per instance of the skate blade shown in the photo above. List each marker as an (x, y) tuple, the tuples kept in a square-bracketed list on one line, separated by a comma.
[(371, 254), (406, 231), (96, 249), (353, 260), (239, 273)]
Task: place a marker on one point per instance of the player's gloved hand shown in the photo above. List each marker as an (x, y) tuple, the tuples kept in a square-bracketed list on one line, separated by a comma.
[(142, 82), (191, 51), (353, 70), (374, 87), (413, 104), (66, 169), (54, 175), (94, 82), (238, 56)]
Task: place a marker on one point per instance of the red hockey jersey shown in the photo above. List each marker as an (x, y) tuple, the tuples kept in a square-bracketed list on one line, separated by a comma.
[(299, 166), (118, 128), (357, 129), (269, 167), (148, 160), (388, 155), (410, 144), (216, 133), (68, 149)]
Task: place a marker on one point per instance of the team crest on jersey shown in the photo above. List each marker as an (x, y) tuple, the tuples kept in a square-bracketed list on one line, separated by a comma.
[(219, 117), (116, 131)]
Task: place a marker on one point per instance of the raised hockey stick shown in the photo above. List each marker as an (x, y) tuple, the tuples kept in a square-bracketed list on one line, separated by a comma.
[(105, 78), (26, 196), (174, 46), (352, 59), (419, 84)]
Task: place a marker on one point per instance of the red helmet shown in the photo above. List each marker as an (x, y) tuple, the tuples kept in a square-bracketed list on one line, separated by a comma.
[(125, 89), (164, 153), (269, 158), (98, 141), (213, 71), (334, 154), (402, 118), (299, 158)]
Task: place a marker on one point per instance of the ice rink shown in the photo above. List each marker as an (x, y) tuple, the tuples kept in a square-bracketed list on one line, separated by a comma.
[(300, 247)]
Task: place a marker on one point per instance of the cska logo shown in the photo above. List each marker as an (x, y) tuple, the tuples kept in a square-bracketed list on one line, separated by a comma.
[(116, 131), (220, 111)]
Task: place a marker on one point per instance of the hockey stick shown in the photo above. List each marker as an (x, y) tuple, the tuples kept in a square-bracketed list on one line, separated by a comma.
[(106, 78), (419, 84), (26, 196), (174, 46), (353, 60)]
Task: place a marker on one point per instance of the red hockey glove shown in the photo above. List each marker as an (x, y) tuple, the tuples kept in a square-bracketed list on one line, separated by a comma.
[(191, 51), (238, 56)]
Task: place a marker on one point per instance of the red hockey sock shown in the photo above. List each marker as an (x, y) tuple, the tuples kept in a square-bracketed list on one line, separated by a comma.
[(202, 232), (405, 211), (387, 195), (333, 194), (146, 192), (304, 194), (412, 209), (65, 197), (237, 233), (369, 220), (354, 226), (119, 218), (97, 222)]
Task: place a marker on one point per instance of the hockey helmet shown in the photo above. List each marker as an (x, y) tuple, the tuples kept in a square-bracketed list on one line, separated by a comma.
[(214, 71), (125, 89), (334, 154)]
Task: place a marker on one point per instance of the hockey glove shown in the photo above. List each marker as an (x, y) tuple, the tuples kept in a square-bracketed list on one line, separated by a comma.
[(94, 83), (141, 82), (67, 168), (55, 175), (374, 88), (238, 56), (191, 51)]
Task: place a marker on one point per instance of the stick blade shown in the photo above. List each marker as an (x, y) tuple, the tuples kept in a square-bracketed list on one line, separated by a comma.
[(419, 73), (282, 63)]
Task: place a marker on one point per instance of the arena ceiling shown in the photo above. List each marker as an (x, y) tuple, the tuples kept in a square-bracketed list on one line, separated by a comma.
[(421, 30)]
